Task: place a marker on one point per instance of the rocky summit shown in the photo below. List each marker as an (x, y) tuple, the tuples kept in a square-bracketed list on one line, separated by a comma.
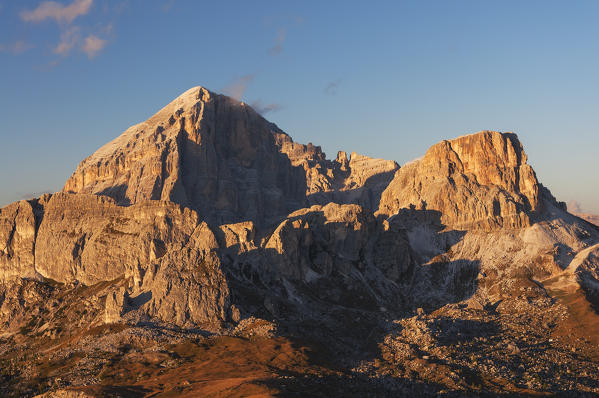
[(203, 252)]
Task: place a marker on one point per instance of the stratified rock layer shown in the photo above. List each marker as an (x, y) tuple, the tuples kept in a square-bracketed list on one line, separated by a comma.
[(219, 157), (165, 252), (476, 181), (205, 151), (17, 240), (207, 217)]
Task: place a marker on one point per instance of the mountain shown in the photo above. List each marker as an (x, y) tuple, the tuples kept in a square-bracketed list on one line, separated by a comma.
[(574, 208), (206, 235), (219, 157), (478, 181)]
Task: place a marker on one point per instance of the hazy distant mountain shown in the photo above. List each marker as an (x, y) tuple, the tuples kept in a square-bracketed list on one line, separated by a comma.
[(574, 208), (203, 252)]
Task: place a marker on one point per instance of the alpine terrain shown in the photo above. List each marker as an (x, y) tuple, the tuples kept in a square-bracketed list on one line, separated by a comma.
[(203, 252)]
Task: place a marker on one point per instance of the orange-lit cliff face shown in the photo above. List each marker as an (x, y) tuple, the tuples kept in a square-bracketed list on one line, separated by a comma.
[(476, 181)]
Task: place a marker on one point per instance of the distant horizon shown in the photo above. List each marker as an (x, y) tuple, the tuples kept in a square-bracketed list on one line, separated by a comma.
[(385, 80)]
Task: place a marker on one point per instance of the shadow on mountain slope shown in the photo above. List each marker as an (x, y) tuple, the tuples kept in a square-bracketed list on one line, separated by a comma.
[(368, 195), (339, 280)]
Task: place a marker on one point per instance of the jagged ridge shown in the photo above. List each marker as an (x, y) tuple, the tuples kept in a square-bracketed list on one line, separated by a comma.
[(251, 224)]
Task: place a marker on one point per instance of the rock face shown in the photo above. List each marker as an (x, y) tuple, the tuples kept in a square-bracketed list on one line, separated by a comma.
[(167, 254), (90, 239), (219, 157), (338, 254), (209, 217), (287, 221), (358, 180), (17, 240), (475, 181), (204, 151), (207, 196)]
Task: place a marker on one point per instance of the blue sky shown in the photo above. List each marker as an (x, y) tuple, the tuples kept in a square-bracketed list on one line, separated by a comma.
[(386, 79)]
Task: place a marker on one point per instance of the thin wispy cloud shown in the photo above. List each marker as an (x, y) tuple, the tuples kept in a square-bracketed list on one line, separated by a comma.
[(68, 40), (18, 47), (237, 87), (264, 109), (57, 11), (93, 45), (279, 40), (72, 36), (331, 87), (168, 5)]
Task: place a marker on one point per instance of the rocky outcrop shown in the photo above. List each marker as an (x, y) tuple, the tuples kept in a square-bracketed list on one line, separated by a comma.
[(422, 251), (187, 286), (477, 181), (584, 269), (90, 239), (355, 180), (205, 151), (338, 254), (17, 240), (207, 217), (168, 256), (219, 157)]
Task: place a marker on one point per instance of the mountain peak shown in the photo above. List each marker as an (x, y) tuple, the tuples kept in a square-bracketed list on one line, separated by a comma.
[(195, 151), (478, 180), (215, 155)]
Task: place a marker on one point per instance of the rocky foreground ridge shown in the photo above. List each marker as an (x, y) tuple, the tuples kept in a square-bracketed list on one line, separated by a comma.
[(207, 220)]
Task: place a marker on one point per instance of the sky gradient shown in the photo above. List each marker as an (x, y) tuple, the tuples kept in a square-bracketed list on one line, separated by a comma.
[(385, 79)]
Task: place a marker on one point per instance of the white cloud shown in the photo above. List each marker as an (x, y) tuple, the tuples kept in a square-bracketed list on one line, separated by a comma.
[(93, 45), (264, 109), (57, 11), (68, 40), (71, 36), (237, 87)]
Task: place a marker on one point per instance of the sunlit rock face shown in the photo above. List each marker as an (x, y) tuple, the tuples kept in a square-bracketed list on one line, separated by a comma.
[(476, 181), (208, 218), (17, 240), (205, 151), (168, 255), (207, 196), (219, 157)]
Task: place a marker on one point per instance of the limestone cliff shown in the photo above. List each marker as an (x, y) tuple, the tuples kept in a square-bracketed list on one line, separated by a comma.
[(17, 240), (216, 155), (208, 218), (475, 181), (167, 254), (205, 151)]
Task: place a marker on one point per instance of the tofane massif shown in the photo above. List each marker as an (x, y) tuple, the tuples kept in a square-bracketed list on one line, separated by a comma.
[(205, 253)]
